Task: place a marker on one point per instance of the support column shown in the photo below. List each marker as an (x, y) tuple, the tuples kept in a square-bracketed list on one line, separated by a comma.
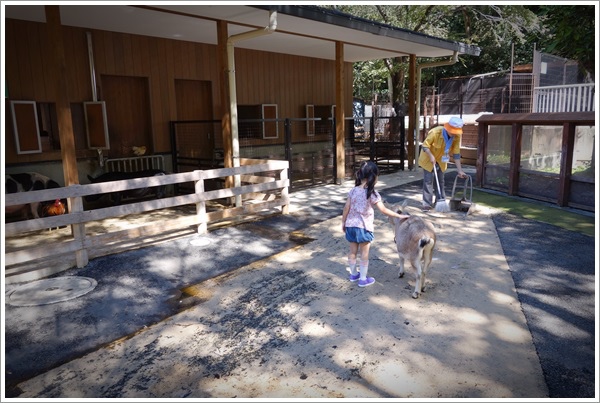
[(515, 159), (566, 163), (63, 106), (222, 37), (410, 137), (340, 122), (65, 123)]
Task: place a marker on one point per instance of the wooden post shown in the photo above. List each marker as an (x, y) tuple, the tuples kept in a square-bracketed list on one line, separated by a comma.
[(566, 163), (340, 121), (283, 175), (65, 125), (515, 159), (224, 92), (201, 207), (63, 107), (482, 140), (410, 138)]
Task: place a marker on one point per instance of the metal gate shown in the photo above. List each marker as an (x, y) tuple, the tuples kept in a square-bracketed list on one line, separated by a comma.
[(380, 139), (310, 153)]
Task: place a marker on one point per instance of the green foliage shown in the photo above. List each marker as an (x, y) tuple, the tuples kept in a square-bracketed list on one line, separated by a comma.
[(568, 30), (370, 77), (585, 170), (571, 33), (498, 159), (495, 29)]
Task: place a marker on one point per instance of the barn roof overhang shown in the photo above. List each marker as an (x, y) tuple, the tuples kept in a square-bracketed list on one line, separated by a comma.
[(309, 31)]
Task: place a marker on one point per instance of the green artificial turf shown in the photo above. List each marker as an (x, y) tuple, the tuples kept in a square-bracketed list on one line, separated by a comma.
[(537, 211)]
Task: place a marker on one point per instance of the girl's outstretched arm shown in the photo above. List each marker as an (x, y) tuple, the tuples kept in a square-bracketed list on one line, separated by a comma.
[(389, 212)]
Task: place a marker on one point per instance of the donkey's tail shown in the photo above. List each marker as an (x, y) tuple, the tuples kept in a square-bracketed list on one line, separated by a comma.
[(424, 241)]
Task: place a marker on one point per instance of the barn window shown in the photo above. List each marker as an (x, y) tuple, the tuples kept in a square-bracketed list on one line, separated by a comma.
[(48, 124), (26, 127), (258, 121), (326, 114), (270, 126)]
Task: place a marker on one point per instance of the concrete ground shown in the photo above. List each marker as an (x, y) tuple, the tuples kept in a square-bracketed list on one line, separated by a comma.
[(252, 312)]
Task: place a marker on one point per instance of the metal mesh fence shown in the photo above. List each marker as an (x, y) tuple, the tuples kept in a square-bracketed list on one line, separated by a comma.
[(553, 70), (509, 93)]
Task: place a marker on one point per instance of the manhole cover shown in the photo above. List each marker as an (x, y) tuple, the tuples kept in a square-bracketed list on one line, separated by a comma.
[(200, 242), (50, 291)]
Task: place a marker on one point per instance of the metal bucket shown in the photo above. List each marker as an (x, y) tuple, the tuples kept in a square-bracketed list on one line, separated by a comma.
[(462, 198)]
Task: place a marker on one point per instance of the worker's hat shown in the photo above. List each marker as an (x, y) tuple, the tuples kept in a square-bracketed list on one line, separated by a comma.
[(454, 126)]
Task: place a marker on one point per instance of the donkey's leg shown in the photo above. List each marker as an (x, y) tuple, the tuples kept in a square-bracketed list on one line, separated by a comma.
[(416, 264), (401, 270), (427, 256)]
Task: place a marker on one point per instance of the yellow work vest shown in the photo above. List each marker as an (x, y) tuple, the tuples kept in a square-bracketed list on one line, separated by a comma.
[(436, 144)]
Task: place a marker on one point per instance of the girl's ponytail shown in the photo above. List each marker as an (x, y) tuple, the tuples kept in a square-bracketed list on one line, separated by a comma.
[(368, 170)]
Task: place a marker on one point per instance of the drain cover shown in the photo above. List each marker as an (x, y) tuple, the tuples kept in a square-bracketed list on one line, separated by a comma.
[(50, 291), (200, 242)]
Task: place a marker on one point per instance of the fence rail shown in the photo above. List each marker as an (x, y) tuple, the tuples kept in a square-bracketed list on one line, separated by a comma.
[(564, 98), (133, 164), (83, 245)]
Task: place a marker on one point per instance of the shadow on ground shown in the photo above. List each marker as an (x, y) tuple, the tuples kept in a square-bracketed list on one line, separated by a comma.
[(553, 270)]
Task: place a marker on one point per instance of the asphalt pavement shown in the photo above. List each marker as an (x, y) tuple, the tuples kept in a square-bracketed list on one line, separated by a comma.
[(554, 272)]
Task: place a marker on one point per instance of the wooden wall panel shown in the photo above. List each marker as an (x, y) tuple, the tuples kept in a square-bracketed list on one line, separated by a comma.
[(110, 67), (34, 47), (158, 113), (141, 58), (128, 114), (78, 64), (128, 65), (26, 56), (289, 81), (13, 79)]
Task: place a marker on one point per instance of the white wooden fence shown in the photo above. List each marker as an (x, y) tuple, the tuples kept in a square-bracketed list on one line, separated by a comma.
[(564, 98), (134, 164), (84, 245)]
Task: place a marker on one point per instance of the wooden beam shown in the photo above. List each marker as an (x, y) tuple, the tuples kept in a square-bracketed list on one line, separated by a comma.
[(340, 121), (515, 159), (65, 125), (482, 140), (410, 136), (63, 106), (566, 163), (223, 84)]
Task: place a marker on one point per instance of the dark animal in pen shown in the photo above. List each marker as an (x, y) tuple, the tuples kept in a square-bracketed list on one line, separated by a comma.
[(415, 240), (118, 197), (31, 181)]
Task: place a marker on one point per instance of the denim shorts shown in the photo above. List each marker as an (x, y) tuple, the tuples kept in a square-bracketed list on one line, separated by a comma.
[(358, 235)]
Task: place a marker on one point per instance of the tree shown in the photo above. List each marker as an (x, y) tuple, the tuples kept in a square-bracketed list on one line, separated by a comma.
[(571, 33), (492, 28), (495, 29)]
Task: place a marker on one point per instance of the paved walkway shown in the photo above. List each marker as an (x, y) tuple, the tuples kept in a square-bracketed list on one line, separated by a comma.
[(288, 324)]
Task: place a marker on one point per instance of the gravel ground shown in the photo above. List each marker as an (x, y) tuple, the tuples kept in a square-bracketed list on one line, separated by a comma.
[(259, 314)]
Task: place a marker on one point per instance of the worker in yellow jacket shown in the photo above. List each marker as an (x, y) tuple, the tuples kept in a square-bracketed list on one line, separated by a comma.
[(441, 143)]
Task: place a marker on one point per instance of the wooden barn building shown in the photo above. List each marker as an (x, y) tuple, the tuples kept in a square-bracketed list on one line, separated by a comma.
[(91, 84)]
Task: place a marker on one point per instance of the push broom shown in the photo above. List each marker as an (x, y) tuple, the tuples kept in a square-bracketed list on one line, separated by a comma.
[(441, 204)]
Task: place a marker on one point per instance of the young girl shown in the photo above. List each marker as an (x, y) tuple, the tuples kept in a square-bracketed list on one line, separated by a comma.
[(358, 217)]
